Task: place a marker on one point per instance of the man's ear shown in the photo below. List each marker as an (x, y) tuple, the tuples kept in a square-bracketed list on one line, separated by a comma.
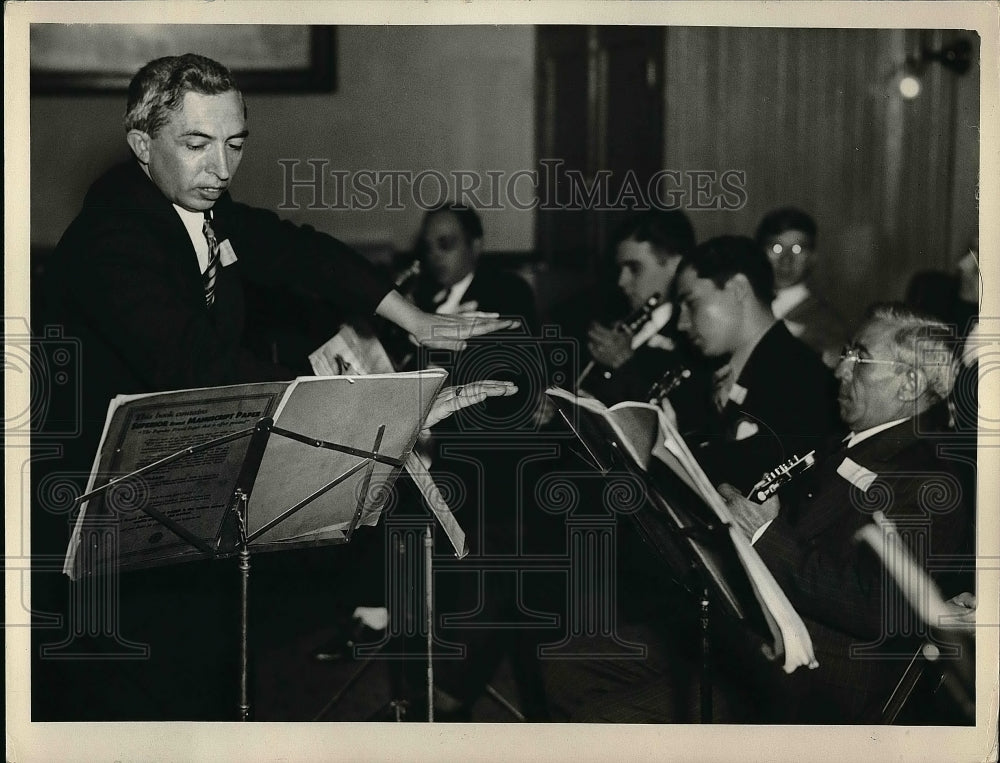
[(476, 247), (739, 286), (138, 141), (913, 385)]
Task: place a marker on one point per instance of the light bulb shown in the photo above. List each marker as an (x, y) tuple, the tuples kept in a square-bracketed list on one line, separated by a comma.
[(909, 86)]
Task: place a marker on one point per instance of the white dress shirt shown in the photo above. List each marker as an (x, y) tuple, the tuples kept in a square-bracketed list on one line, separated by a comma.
[(194, 223)]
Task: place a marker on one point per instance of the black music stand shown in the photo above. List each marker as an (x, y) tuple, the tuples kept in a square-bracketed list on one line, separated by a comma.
[(232, 532), (683, 533)]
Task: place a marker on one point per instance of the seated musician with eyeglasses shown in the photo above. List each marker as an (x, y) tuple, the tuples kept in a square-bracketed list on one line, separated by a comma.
[(788, 235), (893, 381)]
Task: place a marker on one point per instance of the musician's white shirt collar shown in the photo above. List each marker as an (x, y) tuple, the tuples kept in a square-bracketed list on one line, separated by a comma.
[(855, 437), (788, 298), (455, 294), (657, 320)]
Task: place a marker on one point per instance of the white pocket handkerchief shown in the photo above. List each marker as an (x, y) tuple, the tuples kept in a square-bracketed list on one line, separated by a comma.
[(856, 474), (738, 394), (745, 430), (226, 254)]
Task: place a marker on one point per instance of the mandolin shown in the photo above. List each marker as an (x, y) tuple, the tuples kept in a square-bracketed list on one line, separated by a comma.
[(779, 475)]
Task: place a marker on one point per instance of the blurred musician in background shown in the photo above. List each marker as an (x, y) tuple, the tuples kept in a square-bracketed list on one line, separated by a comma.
[(632, 355), (788, 235), (773, 397), (449, 277), (453, 279), (952, 297)]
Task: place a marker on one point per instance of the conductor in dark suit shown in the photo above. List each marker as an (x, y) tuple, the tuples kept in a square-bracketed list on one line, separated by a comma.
[(150, 274), (150, 279), (893, 380)]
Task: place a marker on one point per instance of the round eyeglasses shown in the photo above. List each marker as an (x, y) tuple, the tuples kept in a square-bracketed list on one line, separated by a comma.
[(776, 250), (852, 355)]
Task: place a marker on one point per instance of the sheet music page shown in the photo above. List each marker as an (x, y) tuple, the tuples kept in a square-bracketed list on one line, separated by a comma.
[(350, 352), (142, 429), (660, 439), (348, 411)]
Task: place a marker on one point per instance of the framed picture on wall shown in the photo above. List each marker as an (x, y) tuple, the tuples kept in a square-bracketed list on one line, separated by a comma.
[(89, 58)]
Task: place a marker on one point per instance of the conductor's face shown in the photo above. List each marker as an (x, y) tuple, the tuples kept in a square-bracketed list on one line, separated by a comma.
[(194, 156)]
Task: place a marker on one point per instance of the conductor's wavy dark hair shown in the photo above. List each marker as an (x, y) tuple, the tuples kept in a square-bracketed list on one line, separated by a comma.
[(158, 88)]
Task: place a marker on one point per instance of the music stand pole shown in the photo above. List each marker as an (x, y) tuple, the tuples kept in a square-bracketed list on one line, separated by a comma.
[(243, 565), (429, 606), (706, 660)]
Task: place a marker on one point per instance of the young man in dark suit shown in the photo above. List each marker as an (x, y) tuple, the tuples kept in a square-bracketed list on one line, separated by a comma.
[(628, 363), (774, 397)]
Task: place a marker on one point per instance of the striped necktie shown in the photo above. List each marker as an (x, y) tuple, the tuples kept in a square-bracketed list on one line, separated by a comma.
[(213, 260)]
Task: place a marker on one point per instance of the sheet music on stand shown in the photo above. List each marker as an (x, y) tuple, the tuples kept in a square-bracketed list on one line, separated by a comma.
[(356, 351), (322, 465), (643, 438)]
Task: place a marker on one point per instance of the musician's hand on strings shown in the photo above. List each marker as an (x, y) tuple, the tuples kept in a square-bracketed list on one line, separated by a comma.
[(608, 346), (451, 399), (748, 516), (668, 410), (544, 412)]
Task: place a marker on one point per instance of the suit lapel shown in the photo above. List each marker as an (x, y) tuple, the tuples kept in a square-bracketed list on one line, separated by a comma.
[(875, 455), (151, 201)]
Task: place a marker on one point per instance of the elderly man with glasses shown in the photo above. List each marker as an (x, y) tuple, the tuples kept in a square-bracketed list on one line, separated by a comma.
[(893, 382)]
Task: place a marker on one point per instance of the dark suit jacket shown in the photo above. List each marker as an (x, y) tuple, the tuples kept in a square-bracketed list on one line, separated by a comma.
[(510, 355), (126, 281), (839, 586), (126, 286), (477, 448), (817, 324), (789, 409)]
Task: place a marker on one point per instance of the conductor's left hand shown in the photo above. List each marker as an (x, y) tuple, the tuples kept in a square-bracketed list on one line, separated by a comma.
[(440, 332), (451, 399), (450, 332)]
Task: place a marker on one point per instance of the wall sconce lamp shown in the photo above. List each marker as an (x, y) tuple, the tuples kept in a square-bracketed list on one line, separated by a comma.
[(955, 57)]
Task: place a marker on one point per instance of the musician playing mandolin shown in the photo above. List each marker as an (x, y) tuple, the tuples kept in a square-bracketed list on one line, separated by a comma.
[(644, 348), (773, 397), (894, 379)]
